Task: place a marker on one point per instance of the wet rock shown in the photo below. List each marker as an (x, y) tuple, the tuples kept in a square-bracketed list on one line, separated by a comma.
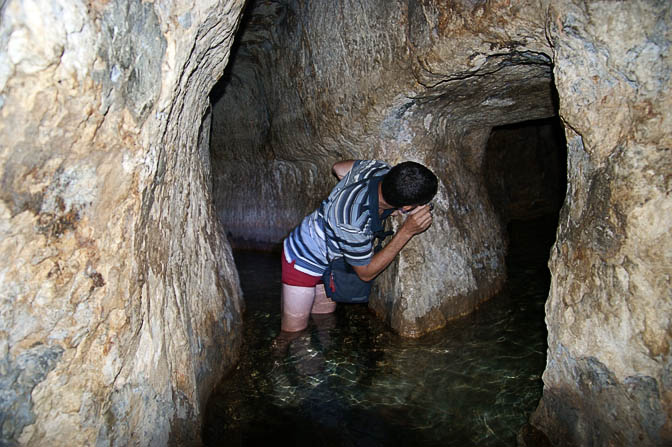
[(587, 404), (311, 84), (120, 303), (609, 305)]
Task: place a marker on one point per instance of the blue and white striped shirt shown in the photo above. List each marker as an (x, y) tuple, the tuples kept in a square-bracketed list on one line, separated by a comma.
[(344, 219)]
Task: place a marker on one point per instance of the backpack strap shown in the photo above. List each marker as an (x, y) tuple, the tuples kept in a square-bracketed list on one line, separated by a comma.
[(376, 225), (377, 221)]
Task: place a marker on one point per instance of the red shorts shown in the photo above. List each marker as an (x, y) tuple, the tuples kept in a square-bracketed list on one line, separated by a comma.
[(294, 277)]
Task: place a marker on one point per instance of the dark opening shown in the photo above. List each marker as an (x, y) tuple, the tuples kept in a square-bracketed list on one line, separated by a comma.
[(525, 169)]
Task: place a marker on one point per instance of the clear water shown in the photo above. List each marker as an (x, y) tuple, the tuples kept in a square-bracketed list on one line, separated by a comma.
[(349, 381)]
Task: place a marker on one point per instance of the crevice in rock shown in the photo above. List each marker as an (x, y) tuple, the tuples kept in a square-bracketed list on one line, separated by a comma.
[(493, 63)]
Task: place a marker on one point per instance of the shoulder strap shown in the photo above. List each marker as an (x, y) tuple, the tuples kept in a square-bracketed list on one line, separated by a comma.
[(376, 224)]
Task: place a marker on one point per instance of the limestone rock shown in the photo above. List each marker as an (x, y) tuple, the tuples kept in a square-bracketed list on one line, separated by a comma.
[(316, 83), (607, 380), (120, 301)]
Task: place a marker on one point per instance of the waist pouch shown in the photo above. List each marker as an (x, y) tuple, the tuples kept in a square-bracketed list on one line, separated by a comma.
[(342, 284)]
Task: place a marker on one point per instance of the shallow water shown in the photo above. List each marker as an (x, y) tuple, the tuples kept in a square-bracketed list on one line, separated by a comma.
[(349, 381)]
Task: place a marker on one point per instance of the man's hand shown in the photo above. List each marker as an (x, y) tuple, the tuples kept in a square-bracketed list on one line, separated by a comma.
[(418, 220)]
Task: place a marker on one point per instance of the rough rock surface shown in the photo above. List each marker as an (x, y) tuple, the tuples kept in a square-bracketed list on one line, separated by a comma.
[(315, 82), (608, 374), (119, 302)]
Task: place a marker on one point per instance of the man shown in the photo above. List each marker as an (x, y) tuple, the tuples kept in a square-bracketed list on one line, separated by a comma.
[(368, 190)]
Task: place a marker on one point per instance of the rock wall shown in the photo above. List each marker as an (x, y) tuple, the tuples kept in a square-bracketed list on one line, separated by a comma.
[(607, 380), (427, 81), (120, 304), (315, 82)]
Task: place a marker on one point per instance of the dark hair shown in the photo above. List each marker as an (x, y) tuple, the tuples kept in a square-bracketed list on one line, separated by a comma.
[(409, 183)]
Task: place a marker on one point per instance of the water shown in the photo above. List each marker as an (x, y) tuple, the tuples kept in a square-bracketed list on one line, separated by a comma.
[(349, 381)]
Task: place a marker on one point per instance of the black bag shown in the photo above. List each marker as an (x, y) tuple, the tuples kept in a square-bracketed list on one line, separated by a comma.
[(341, 282)]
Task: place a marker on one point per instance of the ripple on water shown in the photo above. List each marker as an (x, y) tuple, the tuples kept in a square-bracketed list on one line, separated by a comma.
[(348, 380)]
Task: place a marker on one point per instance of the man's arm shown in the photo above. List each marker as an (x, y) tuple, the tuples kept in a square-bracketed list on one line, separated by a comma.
[(417, 221), (342, 167)]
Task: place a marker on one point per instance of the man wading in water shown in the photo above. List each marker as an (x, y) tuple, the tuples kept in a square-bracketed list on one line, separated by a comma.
[(375, 192)]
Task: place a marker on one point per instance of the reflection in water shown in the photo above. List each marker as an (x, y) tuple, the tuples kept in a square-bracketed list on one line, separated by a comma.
[(348, 380)]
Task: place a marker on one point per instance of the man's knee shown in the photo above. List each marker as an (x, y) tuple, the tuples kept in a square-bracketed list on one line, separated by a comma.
[(296, 305)]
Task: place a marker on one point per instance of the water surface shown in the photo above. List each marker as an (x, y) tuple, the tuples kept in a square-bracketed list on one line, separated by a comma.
[(349, 381)]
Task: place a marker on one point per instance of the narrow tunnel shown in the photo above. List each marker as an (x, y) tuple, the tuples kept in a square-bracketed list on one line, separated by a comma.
[(526, 177), (349, 378), (127, 179), (286, 110), (266, 178)]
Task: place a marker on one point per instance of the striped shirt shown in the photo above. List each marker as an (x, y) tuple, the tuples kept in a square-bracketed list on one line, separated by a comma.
[(344, 219)]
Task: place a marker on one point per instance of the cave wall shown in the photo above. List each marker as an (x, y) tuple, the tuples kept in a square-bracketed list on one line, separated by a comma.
[(607, 380), (427, 81), (120, 303), (315, 82)]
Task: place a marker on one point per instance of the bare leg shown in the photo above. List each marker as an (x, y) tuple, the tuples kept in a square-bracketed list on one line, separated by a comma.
[(296, 304), (322, 303), (281, 343)]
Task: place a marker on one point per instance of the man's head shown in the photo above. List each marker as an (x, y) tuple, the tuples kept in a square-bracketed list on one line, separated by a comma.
[(409, 183)]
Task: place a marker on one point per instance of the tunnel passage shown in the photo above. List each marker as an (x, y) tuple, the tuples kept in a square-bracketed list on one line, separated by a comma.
[(525, 171), (397, 79), (261, 188), (301, 92), (349, 379), (73, 145)]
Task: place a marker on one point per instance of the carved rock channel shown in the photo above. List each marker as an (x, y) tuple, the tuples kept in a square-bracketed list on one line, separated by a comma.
[(138, 140)]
